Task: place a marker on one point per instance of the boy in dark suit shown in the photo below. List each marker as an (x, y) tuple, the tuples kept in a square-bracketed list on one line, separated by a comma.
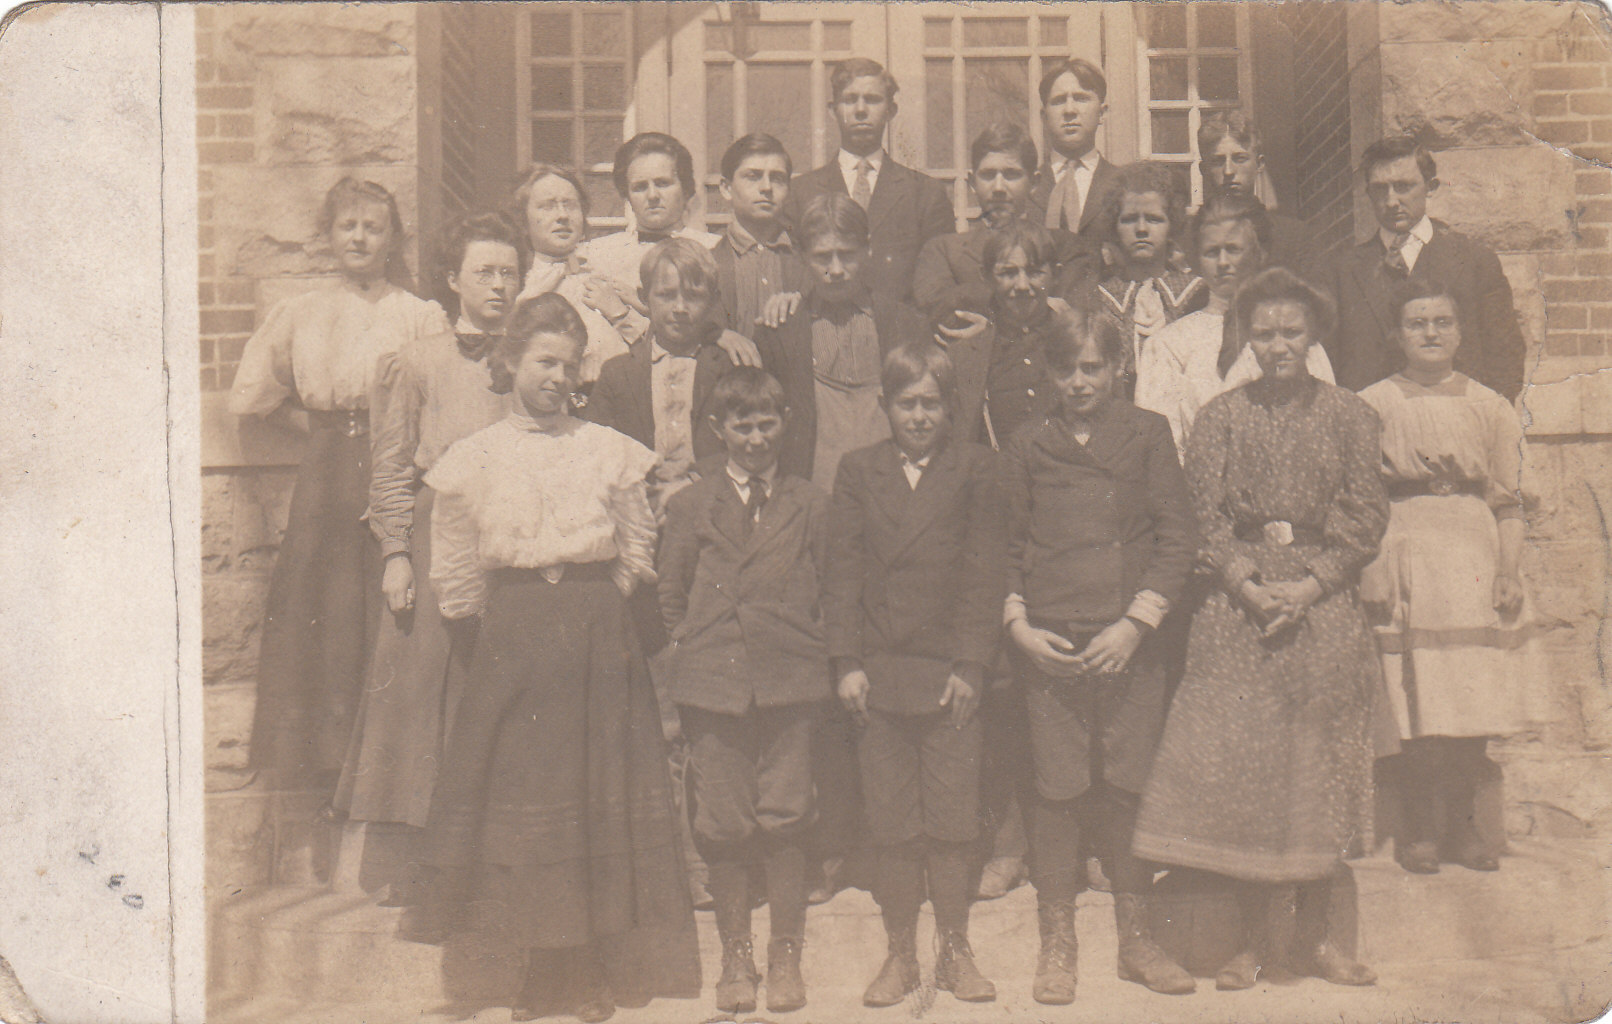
[(1074, 99), (906, 208), (744, 549), (913, 616), (1400, 175)]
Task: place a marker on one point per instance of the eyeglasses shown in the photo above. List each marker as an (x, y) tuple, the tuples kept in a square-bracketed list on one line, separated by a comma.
[(487, 276), (558, 206), (1443, 324)]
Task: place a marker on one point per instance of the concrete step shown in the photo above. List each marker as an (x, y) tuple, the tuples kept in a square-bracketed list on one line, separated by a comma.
[(279, 953)]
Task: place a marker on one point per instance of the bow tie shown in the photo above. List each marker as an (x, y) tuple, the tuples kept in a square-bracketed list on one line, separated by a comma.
[(475, 346)]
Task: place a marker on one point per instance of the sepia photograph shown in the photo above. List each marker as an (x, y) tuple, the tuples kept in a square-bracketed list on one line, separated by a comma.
[(770, 512)]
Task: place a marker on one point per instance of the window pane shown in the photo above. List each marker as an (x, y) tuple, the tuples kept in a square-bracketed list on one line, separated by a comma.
[(715, 205), (938, 103), (600, 138), (1167, 25), (604, 87), (551, 33), (777, 95), (1217, 24), (604, 34), (937, 33), (995, 90), (780, 36), (1167, 77), (603, 199), (551, 141), (836, 35), (996, 32), (718, 39), (1054, 31), (1217, 78), (551, 88), (1170, 132), (718, 112), (1182, 173)]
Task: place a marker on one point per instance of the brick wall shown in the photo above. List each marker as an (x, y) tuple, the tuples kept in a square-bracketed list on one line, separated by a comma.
[(1321, 119)]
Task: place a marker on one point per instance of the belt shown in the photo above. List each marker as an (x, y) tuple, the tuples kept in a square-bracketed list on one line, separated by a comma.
[(574, 571), (349, 422), (1438, 486), (1279, 533)]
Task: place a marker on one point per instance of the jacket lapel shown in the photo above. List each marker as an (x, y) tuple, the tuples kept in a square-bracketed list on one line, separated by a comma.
[(1110, 433), (780, 510), (933, 494), (1101, 180), (727, 512), (888, 191), (1368, 273), (709, 363), (891, 492), (643, 391)]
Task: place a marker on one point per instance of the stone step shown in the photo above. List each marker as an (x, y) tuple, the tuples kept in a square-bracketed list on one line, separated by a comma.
[(280, 951)]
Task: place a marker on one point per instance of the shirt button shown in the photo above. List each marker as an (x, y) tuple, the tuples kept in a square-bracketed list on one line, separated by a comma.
[(1027, 362), (1030, 392)]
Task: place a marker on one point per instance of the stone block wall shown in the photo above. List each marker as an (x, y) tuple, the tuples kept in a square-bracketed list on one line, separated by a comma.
[(290, 97), (1513, 98)]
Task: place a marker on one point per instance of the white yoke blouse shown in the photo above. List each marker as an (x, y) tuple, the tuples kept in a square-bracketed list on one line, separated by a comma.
[(527, 495)]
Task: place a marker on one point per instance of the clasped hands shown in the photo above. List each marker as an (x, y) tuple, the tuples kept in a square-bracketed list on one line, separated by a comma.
[(1108, 652), (1278, 606)]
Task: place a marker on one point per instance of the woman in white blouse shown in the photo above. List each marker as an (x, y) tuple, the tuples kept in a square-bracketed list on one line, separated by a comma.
[(312, 365)]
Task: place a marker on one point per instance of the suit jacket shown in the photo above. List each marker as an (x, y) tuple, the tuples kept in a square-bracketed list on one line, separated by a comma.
[(1103, 181), (622, 398), (950, 273), (786, 353), (1365, 347), (795, 279), (1089, 526), (907, 209), (913, 585), (743, 611)]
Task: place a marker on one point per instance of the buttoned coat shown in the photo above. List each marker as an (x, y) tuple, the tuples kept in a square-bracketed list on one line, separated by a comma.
[(744, 608), (1365, 347), (914, 586), (623, 398), (786, 353), (907, 209), (1104, 179)]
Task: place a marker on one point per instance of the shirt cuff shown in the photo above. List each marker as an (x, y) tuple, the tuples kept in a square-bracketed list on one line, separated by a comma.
[(1149, 608), (393, 546), (1014, 610)]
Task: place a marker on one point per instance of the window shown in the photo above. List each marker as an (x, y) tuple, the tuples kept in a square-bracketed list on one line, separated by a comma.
[(574, 74), (1193, 61)]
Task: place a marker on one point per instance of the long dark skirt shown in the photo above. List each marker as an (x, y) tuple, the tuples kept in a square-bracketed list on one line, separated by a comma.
[(412, 690), (323, 610), (552, 822)]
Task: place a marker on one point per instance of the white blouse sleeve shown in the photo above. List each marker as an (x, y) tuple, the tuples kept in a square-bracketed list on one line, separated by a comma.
[(456, 570), (265, 379), (631, 515)]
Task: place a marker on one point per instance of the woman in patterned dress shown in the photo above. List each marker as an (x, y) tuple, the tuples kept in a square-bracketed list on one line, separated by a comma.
[(1264, 771), (1459, 648)]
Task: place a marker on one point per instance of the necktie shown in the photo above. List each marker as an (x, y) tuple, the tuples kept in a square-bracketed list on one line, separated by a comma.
[(474, 346), (753, 507), (862, 191), (1395, 259), (1064, 205)]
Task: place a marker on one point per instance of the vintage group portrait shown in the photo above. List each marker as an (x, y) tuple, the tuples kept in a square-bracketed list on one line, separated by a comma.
[(877, 511)]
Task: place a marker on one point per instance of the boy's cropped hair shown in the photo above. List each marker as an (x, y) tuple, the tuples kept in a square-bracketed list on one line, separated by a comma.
[(654, 142), (1004, 137), (696, 267), (1089, 75), (1385, 150), (1227, 124), (754, 144), (859, 67), (908, 364), (1070, 332), (832, 214), (1033, 238), (745, 391)]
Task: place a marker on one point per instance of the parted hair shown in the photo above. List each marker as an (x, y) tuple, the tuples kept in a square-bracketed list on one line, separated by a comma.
[(1384, 150), (744, 391), (1033, 238), (696, 267), (1221, 209), (1279, 284), (1072, 329), (654, 142), (908, 364), (548, 313), (349, 191), (1227, 124), (847, 71), (754, 144), (1004, 137), (535, 174), (832, 214), (1421, 286), (477, 227), (1086, 73), (1140, 178)]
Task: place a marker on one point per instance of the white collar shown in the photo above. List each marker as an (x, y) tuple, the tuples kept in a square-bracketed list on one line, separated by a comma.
[(1422, 232), (908, 460), (1087, 160), (848, 162), (656, 353), (464, 326), (741, 478)]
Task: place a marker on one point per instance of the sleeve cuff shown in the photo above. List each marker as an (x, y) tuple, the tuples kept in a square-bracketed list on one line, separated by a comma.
[(1149, 608), (1014, 610), (393, 546)]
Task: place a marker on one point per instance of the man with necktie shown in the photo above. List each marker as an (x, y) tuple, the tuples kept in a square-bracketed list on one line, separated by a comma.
[(1400, 175), (905, 208), (1074, 99)]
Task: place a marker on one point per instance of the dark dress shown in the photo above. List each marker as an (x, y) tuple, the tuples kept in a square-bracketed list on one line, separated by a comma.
[(1264, 770)]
